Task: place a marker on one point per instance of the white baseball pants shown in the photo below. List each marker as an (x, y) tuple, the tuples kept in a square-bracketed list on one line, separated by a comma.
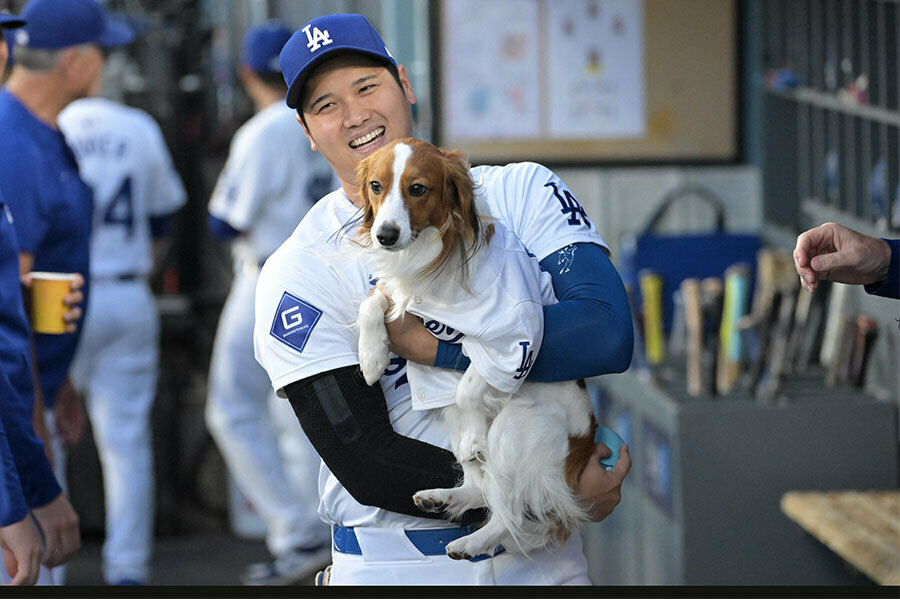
[(116, 368)]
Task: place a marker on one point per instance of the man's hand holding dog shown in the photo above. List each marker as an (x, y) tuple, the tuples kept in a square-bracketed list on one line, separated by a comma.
[(411, 340), (602, 488)]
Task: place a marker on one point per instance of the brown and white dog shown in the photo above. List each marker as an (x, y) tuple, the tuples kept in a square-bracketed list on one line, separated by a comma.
[(521, 453)]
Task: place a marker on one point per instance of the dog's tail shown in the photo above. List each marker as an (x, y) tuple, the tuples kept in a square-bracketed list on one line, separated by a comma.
[(524, 484)]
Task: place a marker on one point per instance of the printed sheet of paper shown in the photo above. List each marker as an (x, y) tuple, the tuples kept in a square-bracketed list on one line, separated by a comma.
[(595, 75), (491, 84)]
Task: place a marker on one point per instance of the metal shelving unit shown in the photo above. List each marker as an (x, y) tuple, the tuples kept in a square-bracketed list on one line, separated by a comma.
[(833, 68)]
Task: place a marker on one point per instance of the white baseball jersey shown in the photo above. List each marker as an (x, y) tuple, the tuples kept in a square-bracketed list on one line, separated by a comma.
[(123, 157), (271, 178), (498, 320), (310, 289)]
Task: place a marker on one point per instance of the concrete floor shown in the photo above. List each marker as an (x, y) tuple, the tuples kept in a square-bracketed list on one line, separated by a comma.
[(194, 544), (207, 559)]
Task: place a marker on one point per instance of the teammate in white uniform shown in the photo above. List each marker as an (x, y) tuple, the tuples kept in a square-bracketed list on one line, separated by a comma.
[(371, 438), (270, 180), (122, 155)]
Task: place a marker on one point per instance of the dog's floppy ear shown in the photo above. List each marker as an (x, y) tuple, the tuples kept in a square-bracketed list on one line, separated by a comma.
[(460, 190), (362, 186)]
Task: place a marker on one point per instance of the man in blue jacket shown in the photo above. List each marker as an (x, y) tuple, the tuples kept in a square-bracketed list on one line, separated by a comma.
[(27, 483)]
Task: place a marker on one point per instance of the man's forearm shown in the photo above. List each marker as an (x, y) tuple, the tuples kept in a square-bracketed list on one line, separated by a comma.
[(348, 424)]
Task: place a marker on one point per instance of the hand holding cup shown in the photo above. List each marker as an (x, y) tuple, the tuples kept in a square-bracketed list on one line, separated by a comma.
[(55, 301)]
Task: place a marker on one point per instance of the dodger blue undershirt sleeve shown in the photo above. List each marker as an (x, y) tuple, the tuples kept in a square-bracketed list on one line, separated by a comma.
[(890, 287), (587, 333)]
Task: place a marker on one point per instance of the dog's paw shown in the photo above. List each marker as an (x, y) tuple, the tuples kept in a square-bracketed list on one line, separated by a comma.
[(463, 549), (433, 501), (373, 360), (372, 368)]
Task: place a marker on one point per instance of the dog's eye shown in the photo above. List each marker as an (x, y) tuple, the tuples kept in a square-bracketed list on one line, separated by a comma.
[(417, 189), (375, 187)]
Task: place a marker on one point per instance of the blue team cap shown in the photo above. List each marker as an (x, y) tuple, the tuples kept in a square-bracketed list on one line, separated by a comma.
[(262, 44), (56, 24), (321, 37), (7, 21)]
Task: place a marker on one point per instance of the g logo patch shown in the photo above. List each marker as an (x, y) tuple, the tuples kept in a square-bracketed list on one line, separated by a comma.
[(294, 321), (292, 317)]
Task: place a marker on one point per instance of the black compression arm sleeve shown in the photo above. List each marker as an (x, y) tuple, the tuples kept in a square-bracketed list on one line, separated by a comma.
[(348, 424)]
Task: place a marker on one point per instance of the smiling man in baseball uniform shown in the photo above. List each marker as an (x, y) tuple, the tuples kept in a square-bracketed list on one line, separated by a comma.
[(352, 98)]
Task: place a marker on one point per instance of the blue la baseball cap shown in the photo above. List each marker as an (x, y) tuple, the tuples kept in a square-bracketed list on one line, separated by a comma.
[(8, 21), (56, 24), (262, 45), (321, 37)]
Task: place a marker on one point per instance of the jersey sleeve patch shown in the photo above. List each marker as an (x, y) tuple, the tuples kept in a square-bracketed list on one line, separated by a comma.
[(294, 321)]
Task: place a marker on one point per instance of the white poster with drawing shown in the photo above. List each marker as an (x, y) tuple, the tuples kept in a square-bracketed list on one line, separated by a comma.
[(595, 75), (491, 82)]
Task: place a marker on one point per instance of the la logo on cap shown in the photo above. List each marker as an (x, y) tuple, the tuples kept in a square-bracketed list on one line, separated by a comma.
[(317, 38), (22, 37)]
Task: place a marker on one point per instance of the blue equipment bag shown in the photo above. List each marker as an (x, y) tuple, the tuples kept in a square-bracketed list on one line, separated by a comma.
[(676, 257)]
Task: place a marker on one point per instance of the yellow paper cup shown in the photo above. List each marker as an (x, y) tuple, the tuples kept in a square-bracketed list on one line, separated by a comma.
[(47, 308)]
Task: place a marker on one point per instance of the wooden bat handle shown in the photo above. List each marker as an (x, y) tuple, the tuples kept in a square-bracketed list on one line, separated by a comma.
[(864, 334), (693, 320)]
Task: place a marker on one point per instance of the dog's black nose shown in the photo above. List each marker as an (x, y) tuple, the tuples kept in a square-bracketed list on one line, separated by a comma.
[(387, 235)]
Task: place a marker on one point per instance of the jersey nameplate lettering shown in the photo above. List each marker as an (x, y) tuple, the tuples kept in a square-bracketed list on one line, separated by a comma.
[(294, 321)]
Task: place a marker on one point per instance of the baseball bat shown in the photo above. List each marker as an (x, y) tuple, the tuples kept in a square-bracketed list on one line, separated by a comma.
[(785, 326), (651, 291), (757, 325), (799, 331), (766, 277), (865, 332), (837, 366), (737, 285), (768, 389), (693, 321), (815, 329), (638, 357), (678, 332), (836, 308), (759, 366), (711, 291)]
